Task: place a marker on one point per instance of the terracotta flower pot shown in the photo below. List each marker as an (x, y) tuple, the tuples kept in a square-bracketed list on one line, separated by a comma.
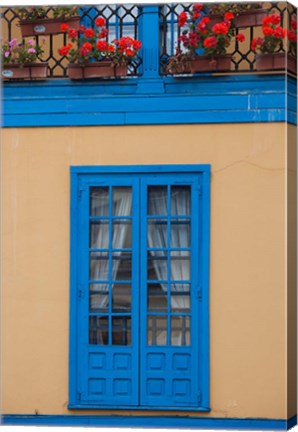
[(207, 64), (250, 18), (276, 61), (28, 71), (179, 68), (103, 69), (47, 26)]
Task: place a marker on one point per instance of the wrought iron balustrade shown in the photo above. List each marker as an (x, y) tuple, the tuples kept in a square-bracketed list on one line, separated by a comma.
[(243, 59), (121, 20)]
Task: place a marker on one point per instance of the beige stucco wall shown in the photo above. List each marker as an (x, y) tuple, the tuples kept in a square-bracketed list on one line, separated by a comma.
[(247, 274)]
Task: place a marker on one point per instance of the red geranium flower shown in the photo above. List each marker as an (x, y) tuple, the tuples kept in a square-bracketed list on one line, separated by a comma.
[(64, 27), (100, 22), (267, 31), (87, 46), (182, 18), (104, 33), (256, 42), (89, 32), (72, 33), (229, 16), (63, 51), (129, 52), (294, 24), (279, 32), (197, 7), (137, 45), (240, 37), (267, 20), (275, 19), (196, 16), (220, 28), (210, 42), (292, 36), (111, 48), (102, 45)]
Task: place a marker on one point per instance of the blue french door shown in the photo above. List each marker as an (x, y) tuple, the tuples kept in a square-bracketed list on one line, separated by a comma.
[(108, 317), (138, 308), (169, 325)]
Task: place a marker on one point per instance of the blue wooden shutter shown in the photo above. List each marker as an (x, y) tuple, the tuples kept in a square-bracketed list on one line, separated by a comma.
[(169, 373), (107, 370)]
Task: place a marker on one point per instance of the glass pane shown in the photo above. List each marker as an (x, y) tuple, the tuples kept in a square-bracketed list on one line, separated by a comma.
[(99, 298), (121, 294), (180, 200), (180, 298), (157, 265), (121, 234), (180, 265), (98, 330), (158, 200), (180, 330), (121, 266), (121, 330), (99, 234), (99, 266), (99, 201), (157, 330), (180, 233), (121, 201), (157, 233), (157, 298)]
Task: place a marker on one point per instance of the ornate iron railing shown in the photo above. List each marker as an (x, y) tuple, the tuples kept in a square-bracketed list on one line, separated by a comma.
[(243, 58), (121, 20), (129, 20)]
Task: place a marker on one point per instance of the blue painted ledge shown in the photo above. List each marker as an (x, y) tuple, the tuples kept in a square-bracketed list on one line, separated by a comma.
[(135, 101), (149, 422)]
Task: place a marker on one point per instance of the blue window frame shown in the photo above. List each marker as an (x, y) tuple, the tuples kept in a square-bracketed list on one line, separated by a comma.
[(139, 332)]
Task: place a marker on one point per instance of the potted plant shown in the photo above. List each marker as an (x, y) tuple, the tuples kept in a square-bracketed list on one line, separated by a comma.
[(19, 60), (91, 56), (179, 63), (34, 20), (292, 37), (246, 14), (212, 42), (270, 55)]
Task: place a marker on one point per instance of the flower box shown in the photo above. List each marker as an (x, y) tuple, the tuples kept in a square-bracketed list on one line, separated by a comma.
[(207, 64), (47, 26), (103, 69), (180, 68), (276, 61), (27, 71), (250, 18)]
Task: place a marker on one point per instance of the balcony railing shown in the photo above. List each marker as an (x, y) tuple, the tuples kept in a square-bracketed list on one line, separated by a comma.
[(157, 28), (243, 59), (120, 20)]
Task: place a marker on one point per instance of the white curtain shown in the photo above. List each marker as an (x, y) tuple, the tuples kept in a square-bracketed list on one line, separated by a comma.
[(180, 238), (122, 201)]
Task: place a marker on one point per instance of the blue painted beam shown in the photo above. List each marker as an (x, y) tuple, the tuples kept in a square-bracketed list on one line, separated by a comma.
[(187, 100), (149, 421)]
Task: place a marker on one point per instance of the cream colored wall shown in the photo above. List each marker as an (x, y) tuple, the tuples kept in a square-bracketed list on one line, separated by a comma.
[(247, 274), (292, 271)]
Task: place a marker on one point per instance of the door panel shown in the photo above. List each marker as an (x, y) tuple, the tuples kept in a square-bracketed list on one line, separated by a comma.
[(108, 303), (169, 275)]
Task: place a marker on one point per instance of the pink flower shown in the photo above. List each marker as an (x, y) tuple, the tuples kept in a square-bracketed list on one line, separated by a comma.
[(31, 51), (12, 43), (6, 54), (31, 42)]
